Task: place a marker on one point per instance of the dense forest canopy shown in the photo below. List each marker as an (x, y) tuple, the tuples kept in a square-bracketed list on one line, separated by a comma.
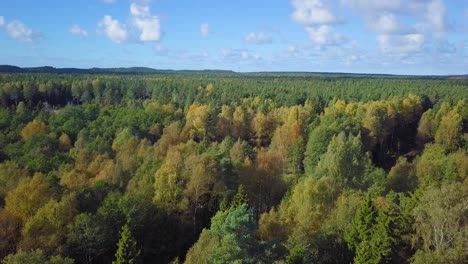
[(219, 167)]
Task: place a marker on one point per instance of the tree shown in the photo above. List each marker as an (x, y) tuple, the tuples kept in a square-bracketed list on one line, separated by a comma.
[(426, 127), (35, 257), (239, 152), (30, 195), (46, 230), (33, 128), (10, 233), (264, 183), (450, 130), (435, 167), (262, 127), (303, 212), (10, 175), (203, 183), (230, 239), (127, 252), (85, 238), (441, 234), (347, 162), (331, 124), (239, 123), (168, 185), (376, 122), (198, 122), (64, 142), (370, 236), (402, 176)]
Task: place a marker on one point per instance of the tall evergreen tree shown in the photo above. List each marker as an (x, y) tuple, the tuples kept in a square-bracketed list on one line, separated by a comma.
[(127, 252)]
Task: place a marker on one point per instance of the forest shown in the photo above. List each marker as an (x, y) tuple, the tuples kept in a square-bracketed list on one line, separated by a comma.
[(219, 167)]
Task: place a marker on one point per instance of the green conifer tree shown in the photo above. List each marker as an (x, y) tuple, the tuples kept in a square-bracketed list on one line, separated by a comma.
[(127, 252)]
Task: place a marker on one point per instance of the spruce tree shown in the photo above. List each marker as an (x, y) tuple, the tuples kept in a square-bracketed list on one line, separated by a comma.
[(127, 252)]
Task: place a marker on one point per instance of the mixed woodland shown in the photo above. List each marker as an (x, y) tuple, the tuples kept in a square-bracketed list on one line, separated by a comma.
[(230, 168)]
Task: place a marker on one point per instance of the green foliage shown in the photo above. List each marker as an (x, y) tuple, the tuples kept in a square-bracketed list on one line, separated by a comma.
[(232, 168), (369, 235), (10, 176), (34, 257), (127, 252), (320, 136), (85, 238), (436, 167), (230, 239), (402, 177), (347, 163), (46, 230), (440, 223), (29, 195)]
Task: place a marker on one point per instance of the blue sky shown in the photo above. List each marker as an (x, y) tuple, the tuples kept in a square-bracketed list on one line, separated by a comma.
[(370, 36)]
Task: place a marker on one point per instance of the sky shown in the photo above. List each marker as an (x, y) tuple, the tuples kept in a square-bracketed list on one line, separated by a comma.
[(364, 36)]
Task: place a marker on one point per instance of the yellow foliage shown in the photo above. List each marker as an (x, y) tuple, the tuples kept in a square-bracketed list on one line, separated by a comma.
[(64, 142), (209, 88), (30, 195), (34, 127)]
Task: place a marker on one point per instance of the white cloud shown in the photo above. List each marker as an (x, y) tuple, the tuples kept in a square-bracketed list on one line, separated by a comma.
[(317, 18), (76, 30), (147, 24), (258, 38), (113, 29), (388, 23), (2, 21), (234, 55), (204, 30), (139, 11), (435, 14), (19, 31), (324, 35), (149, 27), (401, 45), (312, 12)]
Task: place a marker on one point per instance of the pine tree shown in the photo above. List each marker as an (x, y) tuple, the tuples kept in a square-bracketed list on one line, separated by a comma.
[(127, 252), (240, 198)]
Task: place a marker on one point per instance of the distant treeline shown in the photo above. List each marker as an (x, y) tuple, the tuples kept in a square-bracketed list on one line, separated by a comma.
[(148, 71)]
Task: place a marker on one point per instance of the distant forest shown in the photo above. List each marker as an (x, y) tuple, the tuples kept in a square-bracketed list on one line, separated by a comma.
[(136, 165)]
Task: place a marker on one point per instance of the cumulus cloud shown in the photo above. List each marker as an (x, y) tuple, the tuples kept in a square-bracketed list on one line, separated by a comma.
[(139, 10), (148, 25), (312, 12), (2, 21), (317, 18), (113, 29), (435, 14), (401, 45), (205, 30), (19, 31), (388, 23), (258, 38), (426, 25), (77, 30), (324, 35)]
